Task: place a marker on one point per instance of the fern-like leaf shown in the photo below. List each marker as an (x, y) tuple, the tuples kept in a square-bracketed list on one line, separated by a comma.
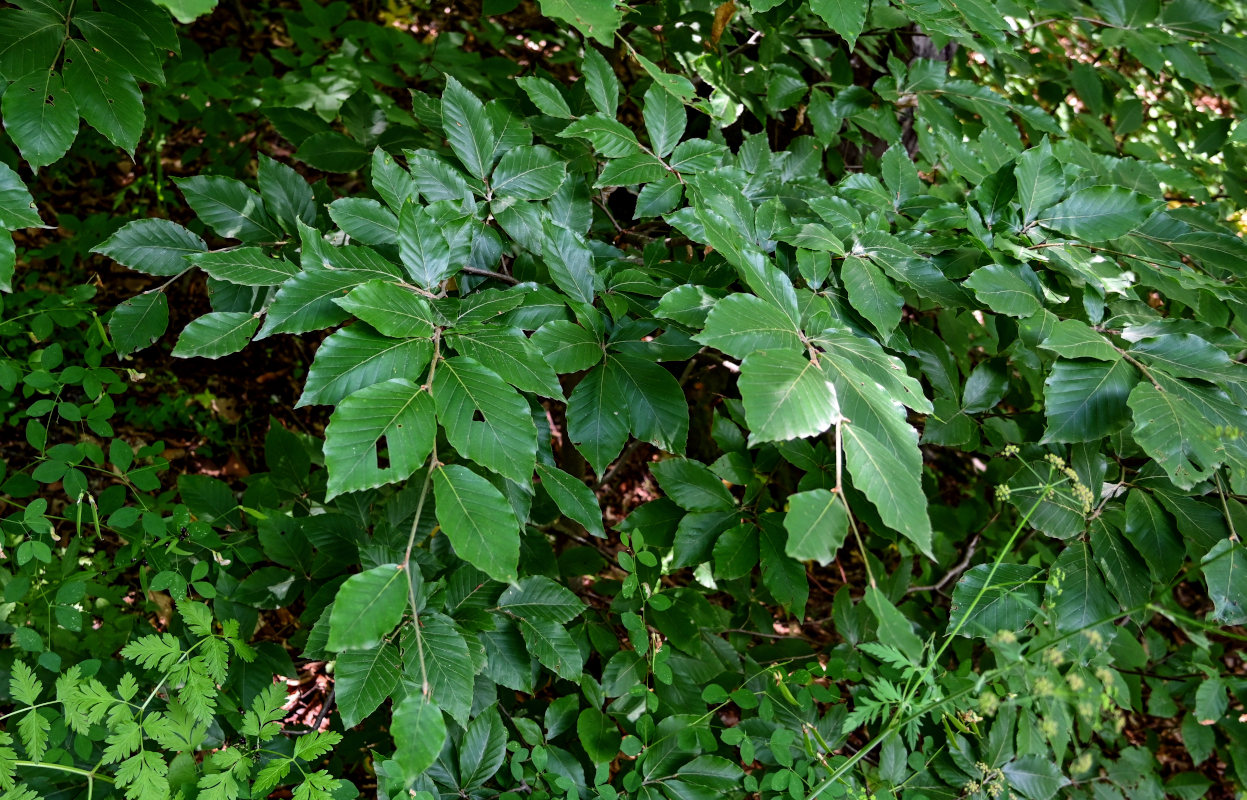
[(219, 786), (125, 738), (319, 785), (313, 745), (33, 727), (143, 776), (8, 762), (23, 685), (215, 653), (20, 793), (198, 694), (197, 616), (159, 652), (270, 777), (262, 721)]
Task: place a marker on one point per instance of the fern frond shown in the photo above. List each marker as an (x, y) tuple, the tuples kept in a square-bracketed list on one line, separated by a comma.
[(23, 684), (143, 776), (154, 651), (266, 712), (319, 785), (33, 727), (313, 745), (270, 777), (197, 616)]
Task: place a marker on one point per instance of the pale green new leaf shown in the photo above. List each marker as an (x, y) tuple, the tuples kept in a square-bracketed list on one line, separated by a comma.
[(478, 520), (216, 334), (396, 416), (368, 607)]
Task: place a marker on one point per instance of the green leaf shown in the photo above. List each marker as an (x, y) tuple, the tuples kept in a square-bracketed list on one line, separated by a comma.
[(595, 422), (122, 42), (41, 116), (509, 352), (396, 416), (786, 396), (739, 324), (422, 247), (1035, 777), (368, 607), (598, 735), (395, 185), (187, 11), (692, 486), (567, 347), (1086, 400), (216, 334), (652, 400), (546, 96), (478, 520), (575, 500), (529, 173), (1040, 180), (504, 438), (1188, 356), (539, 599), (419, 733), (246, 266), (1077, 590), (29, 40), (229, 208), (306, 301), (872, 294), (665, 119), (1224, 568), (138, 322), (845, 18), (1126, 573), (991, 598), (632, 170), (817, 525), (1073, 339), (611, 138), (330, 151), (1151, 532), (106, 95), (447, 663), (570, 261), (468, 129), (1175, 433), (154, 246), (286, 194), (1099, 213), (365, 220), (600, 82), (783, 577), (356, 357), (889, 484), (482, 750), (553, 646), (8, 260), (17, 207), (1007, 290), (894, 628), (391, 309)]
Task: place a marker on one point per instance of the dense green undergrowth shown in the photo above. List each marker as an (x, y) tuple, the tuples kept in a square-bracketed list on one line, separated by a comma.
[(914, 328)]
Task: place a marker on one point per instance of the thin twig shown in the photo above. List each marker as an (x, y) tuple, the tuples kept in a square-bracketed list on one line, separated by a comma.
[(489, 273)]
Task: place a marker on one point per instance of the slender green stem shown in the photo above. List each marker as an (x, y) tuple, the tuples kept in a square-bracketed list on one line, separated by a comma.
[(90, 775)]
